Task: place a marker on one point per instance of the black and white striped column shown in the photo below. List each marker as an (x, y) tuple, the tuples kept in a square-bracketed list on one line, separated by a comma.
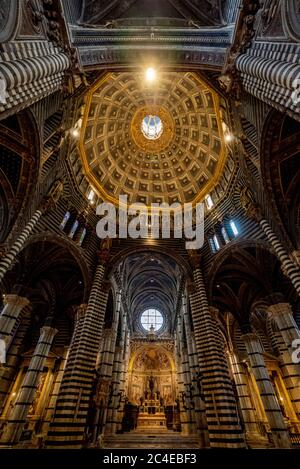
[(266, 390), (8, 372), (270, 80), (32, 75), (246, 405), (9, 258), (289, 268), (282, 314), (220, 407), (123, 374), (199, 409), (18, 416), (114, 362), (184, 419), (187, 380), (49, 412), (111, 421), (13, 305), (69, 423), (115, 412)]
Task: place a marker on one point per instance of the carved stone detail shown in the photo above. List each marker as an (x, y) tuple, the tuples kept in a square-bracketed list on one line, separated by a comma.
[(8, 17), (245, 32)]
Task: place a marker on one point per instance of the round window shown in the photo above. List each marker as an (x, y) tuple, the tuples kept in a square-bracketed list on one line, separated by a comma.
[(152, 318)]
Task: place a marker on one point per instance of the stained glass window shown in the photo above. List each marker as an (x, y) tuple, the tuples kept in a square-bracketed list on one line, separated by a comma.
[(74, 229), (82, 237), (65, 221)]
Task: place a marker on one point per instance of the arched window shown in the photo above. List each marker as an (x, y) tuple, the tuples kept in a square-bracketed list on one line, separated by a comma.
[(234, 228), (209, 202), (225, 235), (82, 237), (65, 221), (212, 245), (216, 243), (74, 229)]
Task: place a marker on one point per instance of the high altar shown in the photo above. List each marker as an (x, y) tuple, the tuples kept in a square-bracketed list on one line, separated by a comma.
[(152, 386)]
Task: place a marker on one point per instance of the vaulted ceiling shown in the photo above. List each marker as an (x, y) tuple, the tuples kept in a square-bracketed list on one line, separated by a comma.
[(151, 280), (182, 165), (154, 12)]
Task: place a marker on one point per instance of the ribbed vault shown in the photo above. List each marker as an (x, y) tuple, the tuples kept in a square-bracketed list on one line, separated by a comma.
[(151, 281)]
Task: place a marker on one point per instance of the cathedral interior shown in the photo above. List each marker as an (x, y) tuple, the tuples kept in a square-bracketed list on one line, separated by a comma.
[(127, 342)]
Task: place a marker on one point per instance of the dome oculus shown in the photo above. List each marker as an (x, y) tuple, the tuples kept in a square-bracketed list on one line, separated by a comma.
[(152, 127)]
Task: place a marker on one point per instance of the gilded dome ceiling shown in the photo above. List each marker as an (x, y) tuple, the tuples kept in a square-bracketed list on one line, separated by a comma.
[(178, 159)]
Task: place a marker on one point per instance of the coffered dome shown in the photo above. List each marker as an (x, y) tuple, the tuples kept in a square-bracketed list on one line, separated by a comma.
[(159, 142)]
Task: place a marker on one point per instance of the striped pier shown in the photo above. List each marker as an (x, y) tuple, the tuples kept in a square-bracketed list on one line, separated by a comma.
[(266, 391), (18, 416), (221, 413), (67, 430)]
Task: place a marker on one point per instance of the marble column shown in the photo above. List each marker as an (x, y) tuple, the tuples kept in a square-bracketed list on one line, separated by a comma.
[(55, 391), (289, 268), (187, 380), (25, 397), (184, 420), (282, 314), (220, 406), (115, 413), (13, 305), (49, 202), (114, 363), (246, 405), (9, 258), (67, 430), (199, 409), (266, 390), (9, 369), (123, 374), (269, 78)]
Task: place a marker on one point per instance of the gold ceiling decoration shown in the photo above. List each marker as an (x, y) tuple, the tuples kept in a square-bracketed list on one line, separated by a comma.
[(182, 165), (152, 146)]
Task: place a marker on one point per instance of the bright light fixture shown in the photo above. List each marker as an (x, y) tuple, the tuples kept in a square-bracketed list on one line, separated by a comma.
[(150, 74), (75, 133), (228, 138)]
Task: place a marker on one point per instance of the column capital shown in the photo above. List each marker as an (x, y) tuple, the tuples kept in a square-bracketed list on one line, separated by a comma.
[(191, 288), (50, 331), (104, 252), (16, 300), (195, 258), (51, 199), (280, 309), (80, 311), (251, 337), (295, 257), (105, 286), (214, 312), (249, 205)]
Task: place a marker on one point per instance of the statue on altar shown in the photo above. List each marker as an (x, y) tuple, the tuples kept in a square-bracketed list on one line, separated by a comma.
[(151, 386)]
